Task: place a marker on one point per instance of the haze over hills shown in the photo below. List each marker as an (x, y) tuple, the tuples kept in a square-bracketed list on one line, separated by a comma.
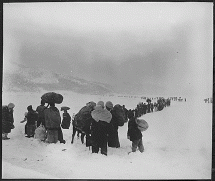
[(162, 49), (23, 78)]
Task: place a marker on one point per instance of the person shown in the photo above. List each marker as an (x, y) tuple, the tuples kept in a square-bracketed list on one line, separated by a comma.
[(99, 128), (130, 114), (52, 122), (82, 121), (117, 120), (31, 118), (41, 117), (149, 107), (152, 107), (135, 135), (7, 120), (125, 112), (66, 120), (144, 108)]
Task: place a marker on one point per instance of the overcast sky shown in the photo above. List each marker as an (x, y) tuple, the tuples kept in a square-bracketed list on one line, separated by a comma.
[(159, 43)]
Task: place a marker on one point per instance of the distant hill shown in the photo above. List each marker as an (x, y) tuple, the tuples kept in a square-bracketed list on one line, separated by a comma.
[(34, 79), (18, 77)]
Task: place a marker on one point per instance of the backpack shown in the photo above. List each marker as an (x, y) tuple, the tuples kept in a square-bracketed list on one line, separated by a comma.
[(52, 117), (119, 114), (66, 121), (40, 133), (82, 120)]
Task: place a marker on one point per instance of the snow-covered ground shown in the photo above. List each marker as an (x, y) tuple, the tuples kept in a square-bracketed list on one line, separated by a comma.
[(177, 144)]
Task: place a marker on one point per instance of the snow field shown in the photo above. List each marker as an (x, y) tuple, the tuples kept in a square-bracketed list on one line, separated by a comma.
[(177, 144)]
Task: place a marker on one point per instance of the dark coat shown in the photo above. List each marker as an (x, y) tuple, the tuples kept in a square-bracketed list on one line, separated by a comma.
[(52, 118), (32, 117), (133, 131), (66, 120), (99, 131), (113, 137), (7, 120)]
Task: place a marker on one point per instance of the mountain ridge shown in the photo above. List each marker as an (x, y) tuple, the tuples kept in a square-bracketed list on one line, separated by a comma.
[(34, 79)]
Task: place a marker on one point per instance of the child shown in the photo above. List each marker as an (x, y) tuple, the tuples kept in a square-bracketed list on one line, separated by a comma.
[(135, 135), (66, 120)]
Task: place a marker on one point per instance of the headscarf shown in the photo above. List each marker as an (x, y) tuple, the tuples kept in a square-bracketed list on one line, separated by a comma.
[(11, 105)]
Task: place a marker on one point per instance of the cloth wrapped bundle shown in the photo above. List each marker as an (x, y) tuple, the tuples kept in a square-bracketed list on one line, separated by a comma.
[(65, 108), (142, 124), (100, 114), (52, 97)]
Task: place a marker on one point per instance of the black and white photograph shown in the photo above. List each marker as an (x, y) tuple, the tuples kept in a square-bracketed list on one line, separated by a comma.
[(107, 90)]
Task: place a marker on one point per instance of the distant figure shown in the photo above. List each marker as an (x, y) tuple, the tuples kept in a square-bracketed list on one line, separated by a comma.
[(41, 116), (130, 114), (126, 112), (152, 107), (144, 108), (7, 120)]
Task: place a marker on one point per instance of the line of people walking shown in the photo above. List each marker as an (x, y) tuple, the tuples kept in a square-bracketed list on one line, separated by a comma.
[(98, 123)]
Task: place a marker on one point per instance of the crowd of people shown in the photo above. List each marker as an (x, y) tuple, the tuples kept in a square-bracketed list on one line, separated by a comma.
[(98, 123), (149, 107)]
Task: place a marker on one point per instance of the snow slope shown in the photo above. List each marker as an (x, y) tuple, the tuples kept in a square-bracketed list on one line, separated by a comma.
[(177, 144)]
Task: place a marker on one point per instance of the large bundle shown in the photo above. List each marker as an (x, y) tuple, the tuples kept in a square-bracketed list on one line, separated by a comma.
[(65, 108), (83, 119), (119, 114), (52, 97), (100, 114), (30, 130), (40, 133), (52, 118), (142, 124)]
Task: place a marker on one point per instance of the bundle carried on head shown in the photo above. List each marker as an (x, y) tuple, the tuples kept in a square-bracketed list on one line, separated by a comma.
[(65, 108), (52, 97)]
